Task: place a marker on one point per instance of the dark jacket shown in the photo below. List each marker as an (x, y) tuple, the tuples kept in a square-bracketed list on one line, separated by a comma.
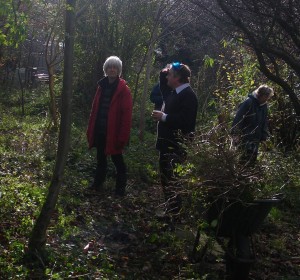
[(250, 121), (163, 85), (118, 119), (181, 110), (156, 97)]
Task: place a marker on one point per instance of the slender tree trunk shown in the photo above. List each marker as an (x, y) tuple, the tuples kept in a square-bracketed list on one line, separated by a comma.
[(53, 107), (145, 91), (136, 84), (37, 239), (278, 80), (22, 92), (153, 40)]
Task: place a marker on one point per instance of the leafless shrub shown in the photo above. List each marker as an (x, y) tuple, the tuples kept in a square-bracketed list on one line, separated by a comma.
[(217, 170)]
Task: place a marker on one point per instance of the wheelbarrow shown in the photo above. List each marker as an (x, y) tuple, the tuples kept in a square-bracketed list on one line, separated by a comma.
[(238, 221)]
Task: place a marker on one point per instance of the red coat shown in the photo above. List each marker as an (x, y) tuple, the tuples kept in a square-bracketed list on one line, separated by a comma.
[(118, 119)]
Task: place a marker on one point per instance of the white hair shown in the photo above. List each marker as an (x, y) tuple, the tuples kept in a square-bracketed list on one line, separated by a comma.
[(264, 90), (113, 61)]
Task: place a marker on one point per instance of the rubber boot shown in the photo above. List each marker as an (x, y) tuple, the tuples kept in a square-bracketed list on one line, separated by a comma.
[(99, 180), (121, 182)]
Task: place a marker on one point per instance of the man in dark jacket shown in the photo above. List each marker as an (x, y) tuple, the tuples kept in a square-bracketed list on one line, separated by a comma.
[(250, 123), (176, 123)]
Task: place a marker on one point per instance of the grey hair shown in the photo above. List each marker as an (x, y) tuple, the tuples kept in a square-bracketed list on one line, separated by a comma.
[(113, 61), (264, 90)]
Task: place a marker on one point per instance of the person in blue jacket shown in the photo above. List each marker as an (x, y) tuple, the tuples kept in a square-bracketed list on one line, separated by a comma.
[(249, 126), (156, 97)]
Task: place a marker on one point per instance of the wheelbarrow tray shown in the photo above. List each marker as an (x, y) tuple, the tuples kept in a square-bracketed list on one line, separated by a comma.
[(238, 216)]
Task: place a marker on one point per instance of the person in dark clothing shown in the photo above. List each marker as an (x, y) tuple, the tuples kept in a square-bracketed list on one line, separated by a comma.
[(156, 97), (176, 124), (249, 126), (110, 123)]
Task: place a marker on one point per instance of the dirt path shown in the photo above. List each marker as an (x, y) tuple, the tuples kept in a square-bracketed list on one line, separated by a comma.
[(125, 235)]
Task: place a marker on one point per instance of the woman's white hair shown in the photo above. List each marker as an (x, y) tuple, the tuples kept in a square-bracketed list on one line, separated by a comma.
[(264, 90), (113, 61)]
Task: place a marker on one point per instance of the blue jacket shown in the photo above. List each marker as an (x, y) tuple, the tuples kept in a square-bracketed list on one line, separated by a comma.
[(251, 121), (156, 97)]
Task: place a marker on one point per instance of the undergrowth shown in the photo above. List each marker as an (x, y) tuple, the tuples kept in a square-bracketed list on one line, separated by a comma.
[(103, 238)]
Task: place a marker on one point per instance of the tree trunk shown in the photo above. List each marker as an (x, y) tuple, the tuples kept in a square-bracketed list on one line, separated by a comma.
[(136, 84), (37, 239), (145, 91), (152, 42), (53, 107), (269, 51), (22, 92), (278, 80)]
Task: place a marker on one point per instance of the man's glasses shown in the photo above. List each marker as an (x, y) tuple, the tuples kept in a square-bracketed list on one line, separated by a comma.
[(177, 66)]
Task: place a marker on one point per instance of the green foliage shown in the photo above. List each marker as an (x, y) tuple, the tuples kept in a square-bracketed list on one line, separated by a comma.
[(282, 173), (144, 152), (217, 168), (275, 214), (238, 75), (25, 170), (208, 61), (216, 162), (15, 23), (78, 221), (28, 151), (214, 171), (283, 123)]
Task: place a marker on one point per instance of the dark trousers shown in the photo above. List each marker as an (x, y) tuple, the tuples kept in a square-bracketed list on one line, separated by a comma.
[(101, 169), (249, 152), (170, 181)]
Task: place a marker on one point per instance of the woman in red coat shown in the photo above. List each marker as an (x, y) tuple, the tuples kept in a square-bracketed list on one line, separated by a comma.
[(110, 123)]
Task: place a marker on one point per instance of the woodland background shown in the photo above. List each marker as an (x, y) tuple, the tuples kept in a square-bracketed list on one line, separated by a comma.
[(51, 56)]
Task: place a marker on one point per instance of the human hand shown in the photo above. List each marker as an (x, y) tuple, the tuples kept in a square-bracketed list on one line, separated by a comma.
[(166, 68), (157, 115)]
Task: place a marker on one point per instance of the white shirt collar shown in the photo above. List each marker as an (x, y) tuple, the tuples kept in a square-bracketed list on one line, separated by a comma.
[(182, 87)]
